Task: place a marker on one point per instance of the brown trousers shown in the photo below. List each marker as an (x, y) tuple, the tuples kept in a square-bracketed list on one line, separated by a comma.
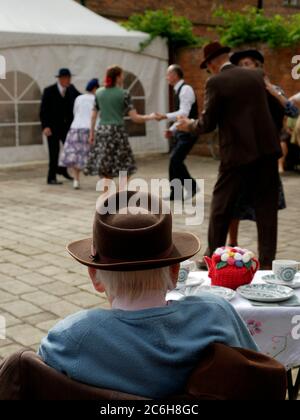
[(260, 181)]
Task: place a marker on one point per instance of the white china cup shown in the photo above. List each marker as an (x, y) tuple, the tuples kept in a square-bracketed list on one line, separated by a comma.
[(285, 270), (185, 268)]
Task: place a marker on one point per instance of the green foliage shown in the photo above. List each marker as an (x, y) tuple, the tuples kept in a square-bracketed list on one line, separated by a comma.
[(178, 30), (252, 25)]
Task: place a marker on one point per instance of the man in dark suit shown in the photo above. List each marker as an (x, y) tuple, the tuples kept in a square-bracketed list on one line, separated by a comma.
[(56, 116), (237, 102)]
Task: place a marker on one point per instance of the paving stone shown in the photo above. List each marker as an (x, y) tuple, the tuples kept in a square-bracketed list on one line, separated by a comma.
[(40, 297), (6, 297), (72, 279), (48, 325), (20, 309), (83, 299), (10, 320), (61, 308), (34, 279), (4, 341), (38, 318), (49, 270), (7, 351), (33, 264), (25, 335), (16, 287), (90, 288), (58, 288), (12, 269)]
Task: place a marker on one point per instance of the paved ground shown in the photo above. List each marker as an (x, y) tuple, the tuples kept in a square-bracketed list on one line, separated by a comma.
[(40, 283)]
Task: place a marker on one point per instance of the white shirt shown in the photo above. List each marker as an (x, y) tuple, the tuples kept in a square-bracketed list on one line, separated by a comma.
[(228, 63), (83, 107), (296, 97), (187, 98), (62, 90)]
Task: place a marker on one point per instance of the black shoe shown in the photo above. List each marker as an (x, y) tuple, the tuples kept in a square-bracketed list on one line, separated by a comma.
[(63, 172), (54, 182), (67, 176)]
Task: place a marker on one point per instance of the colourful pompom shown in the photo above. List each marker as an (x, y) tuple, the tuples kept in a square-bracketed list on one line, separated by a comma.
[(231, 261), (239, 264), (238, 256), (225, 257), (246, 258)]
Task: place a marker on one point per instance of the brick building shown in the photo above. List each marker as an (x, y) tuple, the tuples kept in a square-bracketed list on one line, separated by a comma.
[(278, 61), (198, 11)]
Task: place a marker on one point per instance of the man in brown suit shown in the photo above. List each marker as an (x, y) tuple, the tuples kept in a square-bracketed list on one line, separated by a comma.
[(237, 102)]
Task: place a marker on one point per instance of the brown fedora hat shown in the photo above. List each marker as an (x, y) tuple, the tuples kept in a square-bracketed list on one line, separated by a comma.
[(211, 51), (133, 237)]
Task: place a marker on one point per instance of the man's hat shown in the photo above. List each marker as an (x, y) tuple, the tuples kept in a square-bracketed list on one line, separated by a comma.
[(211, 51), (239, 55), (134, 236), (64, 72)]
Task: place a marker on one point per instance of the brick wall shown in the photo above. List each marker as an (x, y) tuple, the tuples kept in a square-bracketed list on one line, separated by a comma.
[(198, 11), (278, 66), (278, 62)]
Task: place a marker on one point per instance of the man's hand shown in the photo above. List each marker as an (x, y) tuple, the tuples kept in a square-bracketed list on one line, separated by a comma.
[(151, 117), (183, 124), (168, 134), (47, 132), (160, 117)]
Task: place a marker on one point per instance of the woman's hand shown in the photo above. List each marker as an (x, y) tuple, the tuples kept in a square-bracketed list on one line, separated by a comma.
[(91, 138)]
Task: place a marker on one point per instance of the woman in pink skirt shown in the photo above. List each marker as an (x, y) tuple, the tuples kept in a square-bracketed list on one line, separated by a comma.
[(77, 147)]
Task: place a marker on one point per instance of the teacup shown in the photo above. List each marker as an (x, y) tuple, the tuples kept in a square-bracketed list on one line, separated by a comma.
[(285, 270), (185, 268)]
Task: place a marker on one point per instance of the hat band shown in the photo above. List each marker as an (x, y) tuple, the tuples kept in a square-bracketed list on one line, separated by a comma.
[(108, 260)]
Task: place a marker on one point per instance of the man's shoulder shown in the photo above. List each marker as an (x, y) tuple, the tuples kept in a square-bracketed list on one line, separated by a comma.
[(51, 88), (186, 87), (207, 301), (81, 322), (74, 90)]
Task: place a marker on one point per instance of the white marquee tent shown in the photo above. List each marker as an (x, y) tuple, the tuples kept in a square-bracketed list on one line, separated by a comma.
[(37, 37)]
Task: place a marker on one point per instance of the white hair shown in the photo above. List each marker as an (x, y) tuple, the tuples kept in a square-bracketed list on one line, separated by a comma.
[(135, 284)]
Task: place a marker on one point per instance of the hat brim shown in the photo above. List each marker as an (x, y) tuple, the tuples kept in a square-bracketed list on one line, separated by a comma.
[(65, 75), (185, 245), (239, 55), (215, 54)]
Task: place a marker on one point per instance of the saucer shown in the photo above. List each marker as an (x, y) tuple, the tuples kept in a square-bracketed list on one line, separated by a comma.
[(174, 295), (223, 292), (271, 279), (265, 292)]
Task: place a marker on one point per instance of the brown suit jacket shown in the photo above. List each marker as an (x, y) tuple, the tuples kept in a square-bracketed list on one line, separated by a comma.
[(237, 102)]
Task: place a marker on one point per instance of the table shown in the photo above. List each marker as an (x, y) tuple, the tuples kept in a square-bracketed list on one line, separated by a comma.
[(275, 329)]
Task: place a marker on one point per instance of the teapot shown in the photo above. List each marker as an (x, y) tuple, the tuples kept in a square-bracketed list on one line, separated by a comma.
[(231, 267)]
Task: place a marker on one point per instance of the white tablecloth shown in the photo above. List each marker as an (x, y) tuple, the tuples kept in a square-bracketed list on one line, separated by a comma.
[(272, 327)]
